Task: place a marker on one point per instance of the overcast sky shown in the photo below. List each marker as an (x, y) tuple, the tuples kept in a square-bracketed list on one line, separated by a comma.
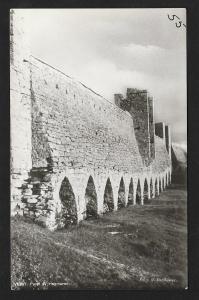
[(112, 49)]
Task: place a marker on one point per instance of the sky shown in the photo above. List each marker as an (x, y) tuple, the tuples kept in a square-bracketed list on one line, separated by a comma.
[(110, 50)]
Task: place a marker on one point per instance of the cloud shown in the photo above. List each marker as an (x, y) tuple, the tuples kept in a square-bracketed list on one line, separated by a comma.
[(112, 49)]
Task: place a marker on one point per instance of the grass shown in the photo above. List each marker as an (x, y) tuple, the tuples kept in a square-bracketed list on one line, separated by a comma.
[(136, 247)]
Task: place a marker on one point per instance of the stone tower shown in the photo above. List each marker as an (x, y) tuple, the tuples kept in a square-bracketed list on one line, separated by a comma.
[(140, 106)]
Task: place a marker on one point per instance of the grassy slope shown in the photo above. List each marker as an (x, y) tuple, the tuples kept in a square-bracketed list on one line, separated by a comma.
[(146, 249)]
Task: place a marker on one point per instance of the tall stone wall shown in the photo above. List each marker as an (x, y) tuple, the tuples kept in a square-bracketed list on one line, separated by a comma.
[(20, 107), (74, 127), (67, 139)]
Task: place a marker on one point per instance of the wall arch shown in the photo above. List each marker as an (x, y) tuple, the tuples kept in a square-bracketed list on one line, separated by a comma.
[(156, 188), (151, 188), (163, 186), (108, 204), (146, 190), (169, 177), (160, 186), (138, 193), (68, 210), (131, 192), (121, 194), (166, 180), (91, 199)]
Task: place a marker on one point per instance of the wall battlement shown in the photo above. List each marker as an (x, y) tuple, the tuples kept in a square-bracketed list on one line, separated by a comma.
[(74, 153)]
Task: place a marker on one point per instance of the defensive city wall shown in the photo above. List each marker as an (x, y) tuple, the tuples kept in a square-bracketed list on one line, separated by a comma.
[(74, 154)]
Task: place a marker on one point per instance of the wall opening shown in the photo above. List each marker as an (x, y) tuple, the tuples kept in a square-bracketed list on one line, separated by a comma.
[(160, 186), (91, 199), (130, 195), (121, 194), (146, 190), (68, 214), (151, 188), (166, 180), (163, 187), (138, 193), (108, 197), (156, 187)]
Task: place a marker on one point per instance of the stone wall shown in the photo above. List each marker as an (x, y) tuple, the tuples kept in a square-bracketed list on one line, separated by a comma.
[(20, 108), (74, 152), (74, 127)]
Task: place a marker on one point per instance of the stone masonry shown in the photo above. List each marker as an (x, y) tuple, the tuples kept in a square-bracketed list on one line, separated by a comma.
[(74, 154)]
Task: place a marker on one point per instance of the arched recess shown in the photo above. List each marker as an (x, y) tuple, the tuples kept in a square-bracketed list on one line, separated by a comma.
[(68, 213), (130, 195), (138, 193), (151, 188), (156, 187), (91, 199), (160, 186), (163, 187), (121, 194), (146, 190), (169, 178), (166, 180), (108, 197)]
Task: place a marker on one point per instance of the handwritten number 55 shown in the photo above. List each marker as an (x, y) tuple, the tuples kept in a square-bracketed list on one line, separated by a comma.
[(178, 23)]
